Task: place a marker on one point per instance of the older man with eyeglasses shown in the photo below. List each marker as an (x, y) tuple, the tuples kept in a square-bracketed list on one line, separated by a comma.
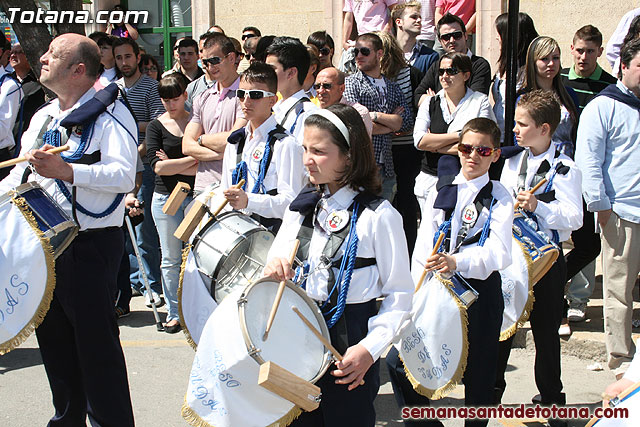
[(330, 86), (453, 36)]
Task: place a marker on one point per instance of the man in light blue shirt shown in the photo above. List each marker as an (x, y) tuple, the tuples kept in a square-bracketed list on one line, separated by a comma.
[(608, 154)]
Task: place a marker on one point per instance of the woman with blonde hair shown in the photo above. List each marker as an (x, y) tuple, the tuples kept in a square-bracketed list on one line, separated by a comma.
[(542, 71), (406, 158)]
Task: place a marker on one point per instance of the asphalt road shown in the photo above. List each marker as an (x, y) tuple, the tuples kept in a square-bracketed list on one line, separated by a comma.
[(159, 366)]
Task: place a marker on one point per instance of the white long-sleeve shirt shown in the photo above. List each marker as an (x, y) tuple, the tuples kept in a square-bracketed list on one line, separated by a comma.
[(97, 184), (10, 96), (472, 105), (615, 42), (563, 214), (381, 237), (285, 172), (292, 122), (473, 261)]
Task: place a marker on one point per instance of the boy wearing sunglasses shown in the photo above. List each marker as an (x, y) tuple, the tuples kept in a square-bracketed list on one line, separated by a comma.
[(557, 209), (262, 153), (476, 216)]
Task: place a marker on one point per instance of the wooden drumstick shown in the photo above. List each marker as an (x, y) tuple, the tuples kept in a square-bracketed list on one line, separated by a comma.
[(21, 159), (276, 302), (533, 190), (225, 201), (424, 270), (319, 335)]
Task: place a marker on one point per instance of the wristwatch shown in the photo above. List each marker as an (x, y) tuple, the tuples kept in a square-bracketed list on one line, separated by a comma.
[(375, 117), (199, 140)]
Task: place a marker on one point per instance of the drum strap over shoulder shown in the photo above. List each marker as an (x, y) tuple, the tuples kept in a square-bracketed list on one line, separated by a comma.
[(483, 199), (298, 107), (241, 171), (337, 287)]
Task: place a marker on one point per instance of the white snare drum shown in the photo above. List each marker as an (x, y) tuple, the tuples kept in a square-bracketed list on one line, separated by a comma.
[(26, 265), (223, 387), (629, 400), (434, 345), (231, 251)]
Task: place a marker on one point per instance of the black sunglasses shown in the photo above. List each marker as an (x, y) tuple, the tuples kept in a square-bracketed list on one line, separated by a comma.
[(450, 71), (253, 93), (247, 36), (365, 51), (214, 60), (482, 151), (324, 51), (457, 35), (325, 86)]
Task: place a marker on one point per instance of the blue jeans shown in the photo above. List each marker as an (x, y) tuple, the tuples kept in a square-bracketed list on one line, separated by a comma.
[(581, 285), (171, 250), (147, 238), (388, 185)]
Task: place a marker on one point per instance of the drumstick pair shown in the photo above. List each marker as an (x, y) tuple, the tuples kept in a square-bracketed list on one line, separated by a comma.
[(276, 302), (21, 159)]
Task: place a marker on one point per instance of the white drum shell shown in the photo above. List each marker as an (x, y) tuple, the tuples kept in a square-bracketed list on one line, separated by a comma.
[(231, 251)]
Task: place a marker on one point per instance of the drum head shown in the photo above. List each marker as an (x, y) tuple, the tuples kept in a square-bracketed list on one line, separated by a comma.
[(290, 343), (230, 252), (244, 263)]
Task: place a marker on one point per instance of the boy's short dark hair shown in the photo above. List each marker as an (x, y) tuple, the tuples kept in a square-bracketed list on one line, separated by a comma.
[(543, 107), (254, 30), (106, 40), (372, 38), (122, 41), (259, 72), (483, 126), (291, 53), (220, 40), (188, 42), (449, 19), (588, 33), (321, 39)]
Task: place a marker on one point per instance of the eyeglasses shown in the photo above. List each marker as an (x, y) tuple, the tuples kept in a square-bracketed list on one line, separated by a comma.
[(248, 36), (482, 151), (450, 71), (457, 35), (149, 69), (253, 94), (214, 60), (325, 51), (365, 51), (325, 86)]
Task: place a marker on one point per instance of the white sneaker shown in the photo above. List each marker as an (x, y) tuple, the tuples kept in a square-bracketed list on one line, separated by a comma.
[(564, 330), (577, 313), (156, 299)]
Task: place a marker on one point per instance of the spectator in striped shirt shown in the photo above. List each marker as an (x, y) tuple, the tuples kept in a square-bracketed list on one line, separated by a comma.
[(140, 94)]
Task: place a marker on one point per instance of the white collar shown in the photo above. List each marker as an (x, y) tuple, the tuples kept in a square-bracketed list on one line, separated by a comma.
[(263, 130), (475, 184)]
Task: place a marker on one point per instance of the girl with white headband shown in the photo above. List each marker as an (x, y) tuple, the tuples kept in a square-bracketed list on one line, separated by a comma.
[(354, 251)]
